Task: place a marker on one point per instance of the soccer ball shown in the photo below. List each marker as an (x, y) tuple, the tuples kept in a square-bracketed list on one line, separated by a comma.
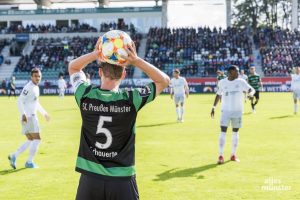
[(112, 46)]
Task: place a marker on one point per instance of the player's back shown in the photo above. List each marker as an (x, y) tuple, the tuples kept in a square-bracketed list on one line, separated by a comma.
[(108, 128), (113, 110)]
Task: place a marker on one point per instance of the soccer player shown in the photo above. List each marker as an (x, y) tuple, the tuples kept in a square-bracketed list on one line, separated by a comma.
[(28, 104), (12, 86), (231, 90), (242, 75), (295, 87), (179, 89), (106, 155), (61, 86), (88, 78), (255, 82)]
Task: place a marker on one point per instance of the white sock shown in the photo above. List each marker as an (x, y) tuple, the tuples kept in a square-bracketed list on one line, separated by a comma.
[(182, 111), (235, 141), (178, 112), (295, 108), (222, 143), (33, 150), (22, 148)]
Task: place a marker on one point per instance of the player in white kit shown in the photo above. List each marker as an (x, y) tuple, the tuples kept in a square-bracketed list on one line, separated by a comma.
[(295, 87), (231, 90), (179, 89), (88, 78), (242, 75), (28, 104), (61, 83)]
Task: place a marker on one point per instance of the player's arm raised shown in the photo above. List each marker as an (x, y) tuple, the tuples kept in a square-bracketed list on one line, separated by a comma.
[(160, 79)]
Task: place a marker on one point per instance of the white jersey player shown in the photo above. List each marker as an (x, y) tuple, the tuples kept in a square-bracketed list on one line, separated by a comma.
[(242, 75), (295, 87), (179, 89), (28, 104), (231, 90), (61, 83), (88, 79)]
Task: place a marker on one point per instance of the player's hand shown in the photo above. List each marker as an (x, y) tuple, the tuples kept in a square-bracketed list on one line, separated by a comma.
[(24, 118), (212, 114), (47, 117), (132, 55), (97, 50)]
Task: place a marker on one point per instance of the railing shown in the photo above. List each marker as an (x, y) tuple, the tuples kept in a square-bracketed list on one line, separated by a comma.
[(81, 10)]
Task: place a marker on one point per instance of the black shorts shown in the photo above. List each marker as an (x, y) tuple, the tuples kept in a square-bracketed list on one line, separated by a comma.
[(94, 188), (256, 95)]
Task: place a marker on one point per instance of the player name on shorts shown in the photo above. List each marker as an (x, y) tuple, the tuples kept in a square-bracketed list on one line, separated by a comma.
[(104, 154), (103, 108)]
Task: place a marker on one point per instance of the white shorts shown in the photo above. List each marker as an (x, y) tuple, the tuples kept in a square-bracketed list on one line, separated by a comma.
[(227, 119), (61, 90), (179, 99), (296, 94), (32, 125)]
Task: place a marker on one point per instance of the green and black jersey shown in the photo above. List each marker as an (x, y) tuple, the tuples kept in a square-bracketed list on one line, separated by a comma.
[(254, 81), (107, 143)]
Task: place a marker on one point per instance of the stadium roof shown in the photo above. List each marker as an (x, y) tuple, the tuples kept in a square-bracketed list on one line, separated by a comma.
[(62, 1), (101, 3), (42, 2)]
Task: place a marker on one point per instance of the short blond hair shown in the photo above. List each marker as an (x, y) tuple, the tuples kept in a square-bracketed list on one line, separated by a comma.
[(113, 72)]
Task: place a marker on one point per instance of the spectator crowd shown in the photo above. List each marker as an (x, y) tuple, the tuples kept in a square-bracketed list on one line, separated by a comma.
[(279, 49), (198, 52)]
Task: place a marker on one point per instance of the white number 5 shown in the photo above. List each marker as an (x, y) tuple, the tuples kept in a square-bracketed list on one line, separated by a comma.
[(105, 131)]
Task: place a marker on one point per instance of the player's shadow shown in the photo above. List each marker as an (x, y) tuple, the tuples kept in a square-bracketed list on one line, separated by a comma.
[(153, 125), (10, 171), (174, 173), (281, 117)]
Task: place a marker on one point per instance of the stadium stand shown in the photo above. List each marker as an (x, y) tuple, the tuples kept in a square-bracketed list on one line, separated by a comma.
[(47, 29), (53, 55), (198, 52), (280, 50), (104, 27), (3, 43)]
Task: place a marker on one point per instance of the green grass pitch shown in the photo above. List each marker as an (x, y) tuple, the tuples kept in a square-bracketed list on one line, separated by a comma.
[(174, 161)]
